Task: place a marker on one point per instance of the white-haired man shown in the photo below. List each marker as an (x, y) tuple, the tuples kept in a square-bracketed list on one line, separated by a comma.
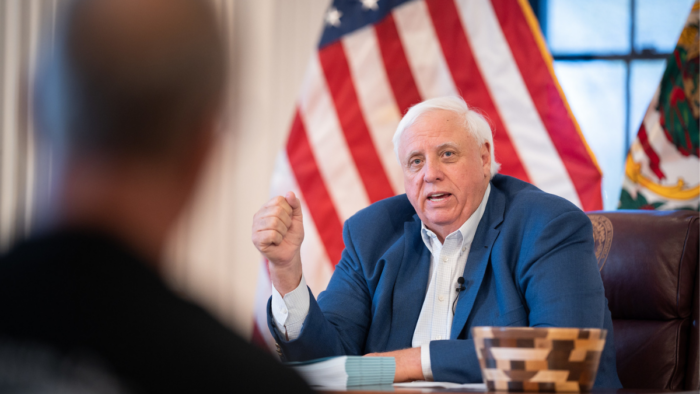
[(463, 247)]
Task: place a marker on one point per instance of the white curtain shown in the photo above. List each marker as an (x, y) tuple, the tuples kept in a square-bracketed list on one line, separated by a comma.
[(210, 257), (22, 25)]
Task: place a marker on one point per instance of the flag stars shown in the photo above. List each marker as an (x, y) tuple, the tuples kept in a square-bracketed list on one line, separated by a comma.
[(333, 17), (370, 4)]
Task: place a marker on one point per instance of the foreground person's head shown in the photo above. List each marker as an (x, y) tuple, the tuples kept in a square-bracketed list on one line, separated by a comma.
[(128, 99), (446, 152)]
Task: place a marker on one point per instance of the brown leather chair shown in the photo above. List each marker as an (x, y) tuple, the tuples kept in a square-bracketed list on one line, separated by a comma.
[(649, 265)]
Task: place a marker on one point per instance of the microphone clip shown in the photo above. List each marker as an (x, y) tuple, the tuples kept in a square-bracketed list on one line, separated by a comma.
[(460, 284), (460, 287)]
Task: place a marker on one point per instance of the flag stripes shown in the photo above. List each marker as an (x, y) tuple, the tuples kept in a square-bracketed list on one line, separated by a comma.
[(312, 186), (374, 93), (396, 64), (339, 154), (531, 140), (329, 146), (538, 75), (425, 58), (366, 160)]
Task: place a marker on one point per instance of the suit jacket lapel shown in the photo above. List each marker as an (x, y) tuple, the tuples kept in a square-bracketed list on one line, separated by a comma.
[(478, 258), (410, 287)]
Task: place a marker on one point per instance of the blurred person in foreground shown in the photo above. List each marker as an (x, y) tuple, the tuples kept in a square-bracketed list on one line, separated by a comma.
[(464, 247), (128, 101)]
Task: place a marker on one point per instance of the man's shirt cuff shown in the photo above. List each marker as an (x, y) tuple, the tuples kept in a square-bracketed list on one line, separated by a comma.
[(425, 361), (290, 312)]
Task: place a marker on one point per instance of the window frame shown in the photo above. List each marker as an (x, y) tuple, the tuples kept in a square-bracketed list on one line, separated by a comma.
[(539, 7)]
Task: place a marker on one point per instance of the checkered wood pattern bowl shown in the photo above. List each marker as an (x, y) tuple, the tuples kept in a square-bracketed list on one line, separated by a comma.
[(539, 358)]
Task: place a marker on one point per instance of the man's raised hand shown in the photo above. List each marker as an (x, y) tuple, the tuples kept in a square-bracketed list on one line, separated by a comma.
[(278, 231)]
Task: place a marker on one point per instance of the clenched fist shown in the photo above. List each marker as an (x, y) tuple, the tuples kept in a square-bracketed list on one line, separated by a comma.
[(278, 231)]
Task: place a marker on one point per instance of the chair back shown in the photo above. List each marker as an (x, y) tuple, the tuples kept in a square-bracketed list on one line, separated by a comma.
[(649, 264)]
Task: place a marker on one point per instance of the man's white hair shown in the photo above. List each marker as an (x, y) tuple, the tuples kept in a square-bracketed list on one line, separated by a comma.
[(474, 123)]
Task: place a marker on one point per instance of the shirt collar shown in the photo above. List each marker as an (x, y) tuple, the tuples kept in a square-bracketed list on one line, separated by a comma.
[(468, 228)]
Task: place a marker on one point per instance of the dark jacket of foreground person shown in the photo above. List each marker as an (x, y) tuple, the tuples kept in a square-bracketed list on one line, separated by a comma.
[(81, 293)]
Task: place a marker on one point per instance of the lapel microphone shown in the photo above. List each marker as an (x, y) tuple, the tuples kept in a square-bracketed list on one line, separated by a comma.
[(459, 287)]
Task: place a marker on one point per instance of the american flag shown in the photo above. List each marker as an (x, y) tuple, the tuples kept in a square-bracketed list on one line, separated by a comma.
[(375, 59)]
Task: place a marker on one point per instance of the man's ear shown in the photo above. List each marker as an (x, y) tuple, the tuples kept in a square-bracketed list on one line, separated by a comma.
[(485, 153)]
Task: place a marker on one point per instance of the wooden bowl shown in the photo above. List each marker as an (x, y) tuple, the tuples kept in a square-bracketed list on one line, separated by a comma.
[(539, 358)]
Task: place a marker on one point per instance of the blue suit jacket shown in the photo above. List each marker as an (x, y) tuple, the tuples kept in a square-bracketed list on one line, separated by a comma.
[(531, 263)]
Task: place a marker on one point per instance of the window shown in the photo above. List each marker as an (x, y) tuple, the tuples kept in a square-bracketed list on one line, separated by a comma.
[(609, 56)]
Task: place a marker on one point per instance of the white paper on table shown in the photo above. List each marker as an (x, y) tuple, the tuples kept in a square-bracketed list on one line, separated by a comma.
[(445, 385)]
